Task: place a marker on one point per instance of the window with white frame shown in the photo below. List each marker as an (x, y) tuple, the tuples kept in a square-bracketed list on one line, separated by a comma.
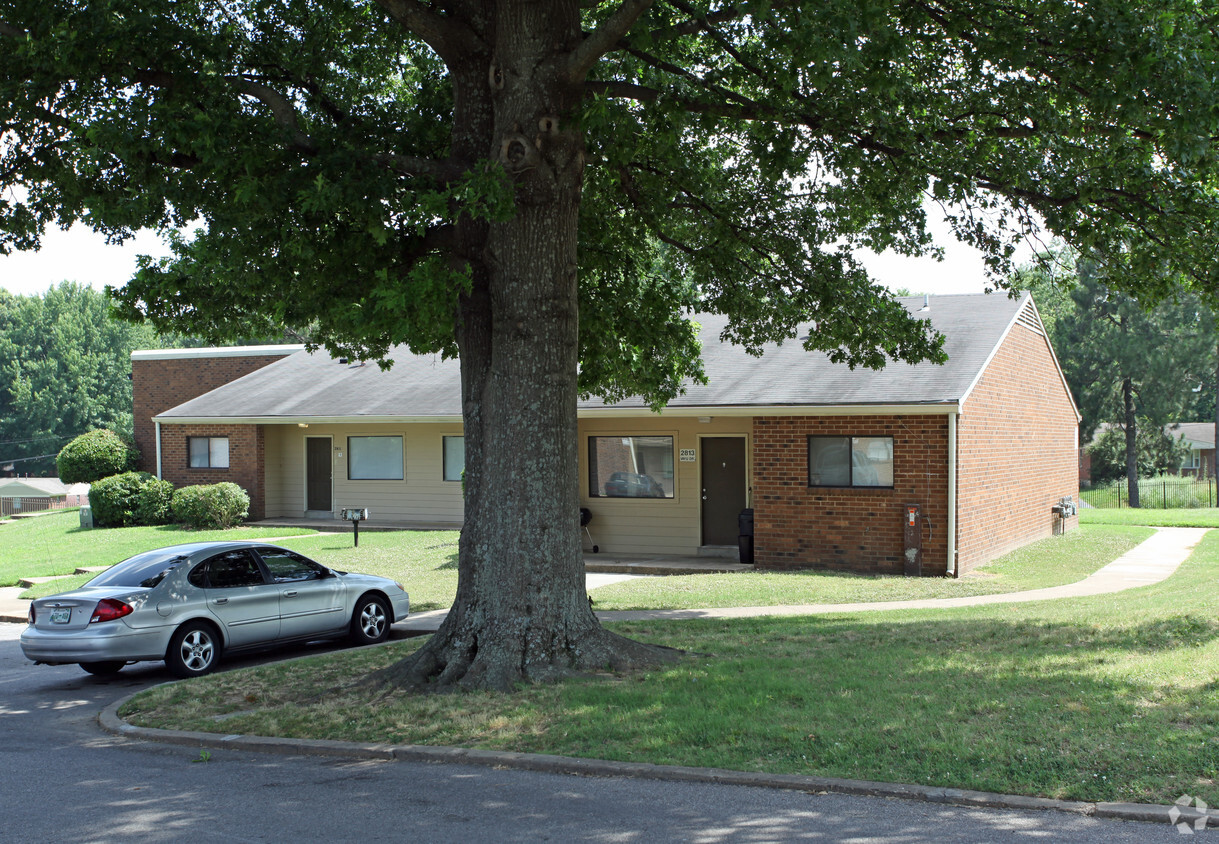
[(375, 459), (454, 458), (208, 452), (630, 467), (850, 461)]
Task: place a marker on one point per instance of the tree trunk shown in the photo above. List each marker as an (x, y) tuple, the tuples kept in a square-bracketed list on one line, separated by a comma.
[(1132, 450), (522, 612)]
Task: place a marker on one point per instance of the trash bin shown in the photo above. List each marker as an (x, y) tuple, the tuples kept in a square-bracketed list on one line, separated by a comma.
[(745, 535), (86, 517)]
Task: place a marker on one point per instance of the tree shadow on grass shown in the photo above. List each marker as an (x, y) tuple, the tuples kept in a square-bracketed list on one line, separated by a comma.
[(1055, 709)]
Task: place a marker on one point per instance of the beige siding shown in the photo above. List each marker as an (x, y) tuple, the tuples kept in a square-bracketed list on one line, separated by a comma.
[(423, 497), (653, 525), (627, 526)]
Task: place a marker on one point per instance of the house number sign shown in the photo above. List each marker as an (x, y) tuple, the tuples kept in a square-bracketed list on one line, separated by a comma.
[(686, 455)]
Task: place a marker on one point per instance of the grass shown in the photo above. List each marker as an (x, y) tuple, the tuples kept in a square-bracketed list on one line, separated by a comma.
[(1048, 562), (426, 562), (1111, 697), (1204, 517), (55, 544)]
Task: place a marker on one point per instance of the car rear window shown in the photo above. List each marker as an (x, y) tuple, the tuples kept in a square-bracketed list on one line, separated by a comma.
[(145, 570)]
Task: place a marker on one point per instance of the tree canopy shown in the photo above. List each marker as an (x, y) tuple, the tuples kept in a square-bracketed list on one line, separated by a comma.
[(551, 189), (65, 368)]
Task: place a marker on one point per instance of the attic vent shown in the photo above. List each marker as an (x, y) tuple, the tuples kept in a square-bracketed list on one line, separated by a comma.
[(1029, 319)]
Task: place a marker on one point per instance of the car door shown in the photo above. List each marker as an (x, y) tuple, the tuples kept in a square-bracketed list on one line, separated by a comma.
[(239, 595), (311, 597)]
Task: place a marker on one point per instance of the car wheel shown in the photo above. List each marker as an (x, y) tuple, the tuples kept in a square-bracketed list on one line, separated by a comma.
[(103, 668), (194, 650), (370, 621)]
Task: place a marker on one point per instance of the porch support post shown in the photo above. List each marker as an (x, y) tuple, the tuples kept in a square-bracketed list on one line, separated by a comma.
[(158, 433)]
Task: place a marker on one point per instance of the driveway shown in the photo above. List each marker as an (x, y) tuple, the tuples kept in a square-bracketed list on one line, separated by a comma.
[(64, 779)]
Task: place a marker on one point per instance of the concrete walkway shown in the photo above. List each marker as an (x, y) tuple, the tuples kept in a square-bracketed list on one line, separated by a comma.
[(1150, 562)]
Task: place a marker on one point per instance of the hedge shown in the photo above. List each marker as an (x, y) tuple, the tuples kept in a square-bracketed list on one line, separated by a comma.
[(132, 498), (93, 456), (212, 506)]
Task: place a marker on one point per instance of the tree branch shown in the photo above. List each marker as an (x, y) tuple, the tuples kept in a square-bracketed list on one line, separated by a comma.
[(450, 38), (622, 91), (409, 165), (283, 110), (604, 38)]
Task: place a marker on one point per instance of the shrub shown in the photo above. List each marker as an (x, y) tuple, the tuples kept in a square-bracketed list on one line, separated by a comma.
[(93, 456), (114, 499), (212, 506), (153, 503)]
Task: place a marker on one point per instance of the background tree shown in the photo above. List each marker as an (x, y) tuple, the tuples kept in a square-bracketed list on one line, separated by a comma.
[(65, 367), (1157, 452), (458, 176), (1128, 364)]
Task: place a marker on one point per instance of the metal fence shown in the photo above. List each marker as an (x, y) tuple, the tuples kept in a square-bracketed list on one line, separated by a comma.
[(1162, 493)]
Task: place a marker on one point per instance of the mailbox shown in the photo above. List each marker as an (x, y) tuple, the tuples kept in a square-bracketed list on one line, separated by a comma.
[(355, 515)]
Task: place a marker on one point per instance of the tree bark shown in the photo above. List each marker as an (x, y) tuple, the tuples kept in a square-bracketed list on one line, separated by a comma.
[(1132, 435), (521, 613)]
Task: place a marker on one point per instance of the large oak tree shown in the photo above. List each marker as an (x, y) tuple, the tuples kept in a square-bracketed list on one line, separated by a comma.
[(549, 188)]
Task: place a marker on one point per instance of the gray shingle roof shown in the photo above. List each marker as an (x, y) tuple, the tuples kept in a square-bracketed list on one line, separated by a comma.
[(1199, 435), (304, 386)]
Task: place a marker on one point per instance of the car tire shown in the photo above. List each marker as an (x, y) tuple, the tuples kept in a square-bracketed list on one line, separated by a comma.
[(194, 650), (370, 621), (103, 669)]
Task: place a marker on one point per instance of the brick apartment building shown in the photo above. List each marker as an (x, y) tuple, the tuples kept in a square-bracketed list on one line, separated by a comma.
[(948, 466)]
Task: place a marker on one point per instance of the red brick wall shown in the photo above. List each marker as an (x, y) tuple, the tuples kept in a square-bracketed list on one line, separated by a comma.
[(1016, 451), (859, 529), (158, 385), (247, 450)]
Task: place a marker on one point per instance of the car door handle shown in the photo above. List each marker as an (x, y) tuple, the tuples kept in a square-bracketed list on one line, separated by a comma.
[(221, 601), (290, 594)]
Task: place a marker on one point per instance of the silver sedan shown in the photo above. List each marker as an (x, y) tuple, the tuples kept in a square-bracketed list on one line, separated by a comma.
[(189, 604)]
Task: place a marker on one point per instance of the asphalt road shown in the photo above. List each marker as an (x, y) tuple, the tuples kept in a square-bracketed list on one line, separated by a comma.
[(63, 779)]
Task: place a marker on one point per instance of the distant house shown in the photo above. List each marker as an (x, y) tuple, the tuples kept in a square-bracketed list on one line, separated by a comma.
[(30, 495), (844, 469), (1200, 438)]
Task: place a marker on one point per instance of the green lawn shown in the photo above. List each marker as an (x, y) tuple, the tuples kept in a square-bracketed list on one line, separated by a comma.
[(426, 562), (55, 544), (1112, 697), (1048, 562), (1201, 517)]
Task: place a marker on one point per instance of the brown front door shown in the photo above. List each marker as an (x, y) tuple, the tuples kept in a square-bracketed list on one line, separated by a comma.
[(318, 474), (723, 488)]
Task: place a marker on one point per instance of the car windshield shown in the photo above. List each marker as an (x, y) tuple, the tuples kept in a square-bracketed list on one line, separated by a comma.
[(145, 570)]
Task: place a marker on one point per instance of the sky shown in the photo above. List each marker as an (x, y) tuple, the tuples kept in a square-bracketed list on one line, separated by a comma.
[(83, 256)]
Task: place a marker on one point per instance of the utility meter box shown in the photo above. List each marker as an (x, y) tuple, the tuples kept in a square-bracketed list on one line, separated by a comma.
[(86, 518), (912, 540)]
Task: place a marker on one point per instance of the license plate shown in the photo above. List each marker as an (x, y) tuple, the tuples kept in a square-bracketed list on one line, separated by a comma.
[(61, 616)]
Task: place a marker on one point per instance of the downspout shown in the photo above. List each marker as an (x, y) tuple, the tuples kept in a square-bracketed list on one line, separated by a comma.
[(158, 425), (951, 569)]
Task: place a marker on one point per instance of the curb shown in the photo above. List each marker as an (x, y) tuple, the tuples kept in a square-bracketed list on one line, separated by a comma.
[(573, 766)]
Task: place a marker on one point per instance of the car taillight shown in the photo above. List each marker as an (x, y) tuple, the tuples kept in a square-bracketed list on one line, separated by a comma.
[(30, 615), (109, 609)]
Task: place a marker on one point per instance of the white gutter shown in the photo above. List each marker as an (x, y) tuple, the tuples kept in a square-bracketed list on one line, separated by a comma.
[(951, 569), (158, 424)]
